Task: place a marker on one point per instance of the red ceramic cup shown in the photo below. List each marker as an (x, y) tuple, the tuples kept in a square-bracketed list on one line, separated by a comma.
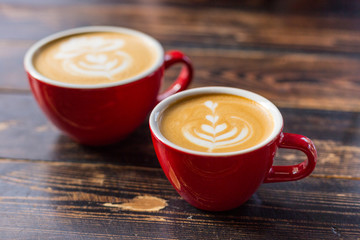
[(222, 181), (104, 113)]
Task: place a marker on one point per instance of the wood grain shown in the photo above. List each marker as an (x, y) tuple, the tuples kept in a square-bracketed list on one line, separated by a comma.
[(205, 26), (302, 55), (288, 79), (69, 202), (25, 133), (328, 7), (294, 60)]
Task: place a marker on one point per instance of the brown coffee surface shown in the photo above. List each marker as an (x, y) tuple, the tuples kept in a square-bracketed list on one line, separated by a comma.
[(216, 123), (95, 58)]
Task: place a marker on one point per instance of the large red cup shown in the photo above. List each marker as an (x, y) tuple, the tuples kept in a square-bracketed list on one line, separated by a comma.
[(104, 113), (222, 181)]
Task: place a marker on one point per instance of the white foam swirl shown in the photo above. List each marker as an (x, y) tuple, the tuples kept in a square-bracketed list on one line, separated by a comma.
[(93, 56), (217, 135)]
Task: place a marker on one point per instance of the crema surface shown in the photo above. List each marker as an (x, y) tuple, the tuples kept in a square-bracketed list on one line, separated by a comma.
[(95, 58), (216, 123)]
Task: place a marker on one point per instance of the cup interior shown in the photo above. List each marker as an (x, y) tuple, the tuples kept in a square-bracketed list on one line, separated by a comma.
[(152, 43), (155, 116)]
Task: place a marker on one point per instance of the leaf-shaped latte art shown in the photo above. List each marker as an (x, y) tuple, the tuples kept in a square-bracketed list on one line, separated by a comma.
[(211, 105), (214, 134), (220, 128), (212, 119)]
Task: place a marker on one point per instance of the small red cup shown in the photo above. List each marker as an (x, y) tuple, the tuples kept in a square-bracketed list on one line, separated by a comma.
[(223, 181), (104, 113)]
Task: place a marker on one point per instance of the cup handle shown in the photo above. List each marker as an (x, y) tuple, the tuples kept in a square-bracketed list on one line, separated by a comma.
[(294, 172), (185, 76)]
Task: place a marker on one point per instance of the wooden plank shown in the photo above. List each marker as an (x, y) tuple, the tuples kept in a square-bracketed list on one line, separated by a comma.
[(188, 26), (12, 74), (279, 6), (308, 7), (302, 55), (289, 79), (23, 124), (328, 7), (26, 134), (82, 200)]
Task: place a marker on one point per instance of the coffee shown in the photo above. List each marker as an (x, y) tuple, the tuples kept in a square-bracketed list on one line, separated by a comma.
[(95, 58), (216, 123)]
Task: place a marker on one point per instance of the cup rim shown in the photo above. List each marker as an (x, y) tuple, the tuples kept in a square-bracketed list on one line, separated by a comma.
[(29, 66), (161, 107)]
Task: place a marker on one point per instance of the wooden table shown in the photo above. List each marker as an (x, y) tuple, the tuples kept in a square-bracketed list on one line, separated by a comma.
[(303, 56)]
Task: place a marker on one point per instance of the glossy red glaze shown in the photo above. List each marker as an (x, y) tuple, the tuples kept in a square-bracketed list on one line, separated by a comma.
[(223, 181), (218, 183), (294, 172), (182, 82), (99, 116), (213, 182)]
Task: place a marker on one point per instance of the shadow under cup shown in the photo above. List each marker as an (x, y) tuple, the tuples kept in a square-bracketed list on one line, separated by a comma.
[(99, 114), (222, 181)]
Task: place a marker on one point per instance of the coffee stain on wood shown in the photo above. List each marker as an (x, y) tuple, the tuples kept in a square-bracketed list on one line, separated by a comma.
[(141, 203)]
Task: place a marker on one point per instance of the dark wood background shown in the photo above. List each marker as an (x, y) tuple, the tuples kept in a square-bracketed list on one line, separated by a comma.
[(302, 55)]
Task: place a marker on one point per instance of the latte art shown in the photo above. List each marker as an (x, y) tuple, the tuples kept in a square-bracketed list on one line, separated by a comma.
[(95, 58), (214, 134), (216, 123)]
